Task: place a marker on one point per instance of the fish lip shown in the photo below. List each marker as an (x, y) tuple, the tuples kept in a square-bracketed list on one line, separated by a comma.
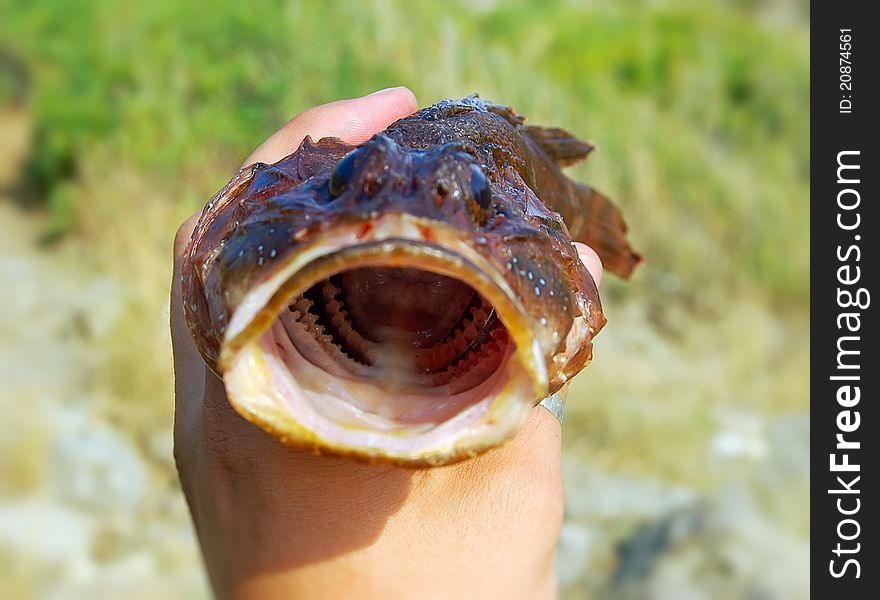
[(394, 240)]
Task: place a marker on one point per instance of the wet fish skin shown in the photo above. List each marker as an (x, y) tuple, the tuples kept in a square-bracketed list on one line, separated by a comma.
[(469, 165)]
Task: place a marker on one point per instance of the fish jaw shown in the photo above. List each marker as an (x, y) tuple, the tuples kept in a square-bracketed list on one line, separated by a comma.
[(311, 405)]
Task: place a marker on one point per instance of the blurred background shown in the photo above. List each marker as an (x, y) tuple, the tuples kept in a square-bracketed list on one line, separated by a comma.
[(686, 441)]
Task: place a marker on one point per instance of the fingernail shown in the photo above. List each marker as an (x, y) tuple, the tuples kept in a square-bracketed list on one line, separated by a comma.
[(385, 91)]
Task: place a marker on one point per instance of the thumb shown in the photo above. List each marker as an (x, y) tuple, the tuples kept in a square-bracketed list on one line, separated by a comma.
[(353, 121)]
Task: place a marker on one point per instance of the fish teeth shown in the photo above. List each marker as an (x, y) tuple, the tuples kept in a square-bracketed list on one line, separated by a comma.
[(328, 321), (338, 320), (303, 305), (310, 321), (354, 340), (334, 308), (457, 341), (451, 317), (476, 359), (329, 291)]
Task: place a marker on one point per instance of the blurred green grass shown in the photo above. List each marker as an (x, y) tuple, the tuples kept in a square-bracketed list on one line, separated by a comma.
[(709, 100), (140, 111)]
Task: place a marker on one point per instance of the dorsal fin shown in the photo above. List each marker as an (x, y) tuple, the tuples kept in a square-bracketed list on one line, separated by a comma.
[(591, 217), (599, 224), (503, 111), (560, 145), (313, 157)]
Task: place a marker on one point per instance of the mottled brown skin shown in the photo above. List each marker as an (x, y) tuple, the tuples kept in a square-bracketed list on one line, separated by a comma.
[(467, 163)]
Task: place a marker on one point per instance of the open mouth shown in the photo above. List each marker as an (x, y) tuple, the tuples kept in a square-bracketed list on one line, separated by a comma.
[(391, 350), (425, 338)]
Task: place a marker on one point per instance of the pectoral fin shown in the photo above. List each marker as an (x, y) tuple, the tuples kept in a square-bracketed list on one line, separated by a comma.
[(595, 221), (564, 148)]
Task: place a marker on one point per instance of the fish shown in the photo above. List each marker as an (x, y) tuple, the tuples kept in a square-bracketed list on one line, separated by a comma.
[(408, 300)]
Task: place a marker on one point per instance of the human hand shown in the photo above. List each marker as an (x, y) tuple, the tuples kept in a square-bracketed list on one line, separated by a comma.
[(276, 522)]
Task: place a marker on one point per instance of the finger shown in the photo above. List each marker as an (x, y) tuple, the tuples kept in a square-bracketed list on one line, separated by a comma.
[(189, 369), (591, 261), (354, 121)]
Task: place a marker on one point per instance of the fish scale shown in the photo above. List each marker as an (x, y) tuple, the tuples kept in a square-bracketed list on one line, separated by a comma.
[(439, 252)]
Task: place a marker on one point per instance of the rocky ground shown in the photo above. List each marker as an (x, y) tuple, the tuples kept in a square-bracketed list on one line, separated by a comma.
[(87, 510)]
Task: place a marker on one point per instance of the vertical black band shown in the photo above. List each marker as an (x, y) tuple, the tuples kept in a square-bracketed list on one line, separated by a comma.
[(845, 58)]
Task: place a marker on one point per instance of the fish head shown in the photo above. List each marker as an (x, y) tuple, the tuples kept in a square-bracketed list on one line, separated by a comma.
[(393, 303)]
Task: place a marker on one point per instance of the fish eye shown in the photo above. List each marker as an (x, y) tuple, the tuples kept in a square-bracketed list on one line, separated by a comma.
[(342, 175), (480, 189)]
